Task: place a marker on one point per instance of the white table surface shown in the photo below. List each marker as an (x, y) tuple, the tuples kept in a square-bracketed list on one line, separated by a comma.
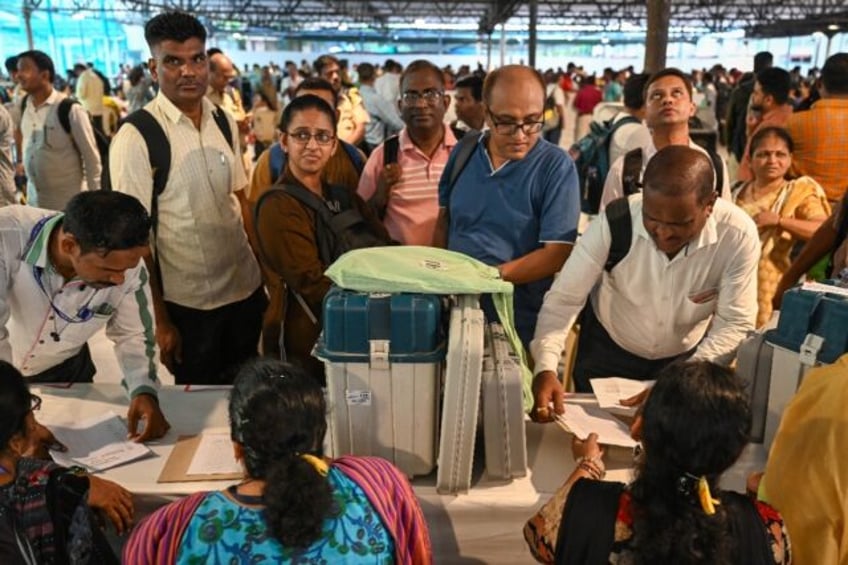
[(482, 526)]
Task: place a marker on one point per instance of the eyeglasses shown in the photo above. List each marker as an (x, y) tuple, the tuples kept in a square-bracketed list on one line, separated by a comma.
[(303, 137), (34, 402), (431, 95), (511, 128)]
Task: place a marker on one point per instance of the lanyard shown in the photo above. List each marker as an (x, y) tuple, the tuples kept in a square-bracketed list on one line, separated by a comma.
[(85, 313)]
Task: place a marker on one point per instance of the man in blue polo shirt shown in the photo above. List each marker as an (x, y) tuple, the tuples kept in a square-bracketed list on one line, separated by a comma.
[(515, 203)]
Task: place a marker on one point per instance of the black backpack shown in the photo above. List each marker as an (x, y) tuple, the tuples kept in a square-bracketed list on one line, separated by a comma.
[(591, 157), (159, 149), (102, 141), (336, 233)]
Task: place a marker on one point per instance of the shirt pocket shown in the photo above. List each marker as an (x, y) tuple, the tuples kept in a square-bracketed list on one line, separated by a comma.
[(701, 303)]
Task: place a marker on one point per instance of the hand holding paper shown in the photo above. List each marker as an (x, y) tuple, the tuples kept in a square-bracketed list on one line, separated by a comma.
[(582, 420)]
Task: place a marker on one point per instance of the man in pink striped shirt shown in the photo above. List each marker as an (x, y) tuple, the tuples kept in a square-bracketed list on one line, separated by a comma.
[(401, 177)]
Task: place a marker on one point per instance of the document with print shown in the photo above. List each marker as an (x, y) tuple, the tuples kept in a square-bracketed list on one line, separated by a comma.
[(582, 420), (214, 455), (611, 391), (97, 443)]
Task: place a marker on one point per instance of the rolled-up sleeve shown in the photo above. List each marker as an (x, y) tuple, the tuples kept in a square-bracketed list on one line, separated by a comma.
[(131, 329)]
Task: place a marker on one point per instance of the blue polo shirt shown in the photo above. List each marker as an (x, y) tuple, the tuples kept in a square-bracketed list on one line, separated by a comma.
[(499, 215)]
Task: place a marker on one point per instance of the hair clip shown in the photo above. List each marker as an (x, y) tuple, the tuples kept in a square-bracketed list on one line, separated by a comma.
[(705, 497), (317, 463)]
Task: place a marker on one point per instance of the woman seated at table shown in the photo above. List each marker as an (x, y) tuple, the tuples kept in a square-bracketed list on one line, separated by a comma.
[(695, 425), (294, 505), (46, 510), (296, 243), (785, 211)]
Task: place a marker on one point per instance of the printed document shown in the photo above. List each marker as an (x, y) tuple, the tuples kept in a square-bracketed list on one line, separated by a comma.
[(611, 391), (97, 443), (214, 455), (582, 420)]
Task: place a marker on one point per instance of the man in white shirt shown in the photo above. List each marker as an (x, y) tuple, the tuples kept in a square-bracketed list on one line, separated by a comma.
[(209, 300), (60, 153), (65, 277), (664, 275), (630, 136), (668, 99), (387, 85), (89, 92)]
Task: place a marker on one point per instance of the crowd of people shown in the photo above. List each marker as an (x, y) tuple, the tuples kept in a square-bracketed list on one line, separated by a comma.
[(199, 217)]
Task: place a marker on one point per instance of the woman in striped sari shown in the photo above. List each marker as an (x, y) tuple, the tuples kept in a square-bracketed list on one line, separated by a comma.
[(294, 505)]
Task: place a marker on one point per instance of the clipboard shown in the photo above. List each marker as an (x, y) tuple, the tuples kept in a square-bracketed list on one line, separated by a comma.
[(176, 467)]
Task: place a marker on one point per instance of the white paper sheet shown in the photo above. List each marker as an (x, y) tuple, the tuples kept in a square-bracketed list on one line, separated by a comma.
[(611, 391), (214, 455), (583, 420), (97, 443)]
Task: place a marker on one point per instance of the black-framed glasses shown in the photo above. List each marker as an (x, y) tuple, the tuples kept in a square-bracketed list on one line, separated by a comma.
[(511, 128), (34, 402), (431, 96), (303, 137)]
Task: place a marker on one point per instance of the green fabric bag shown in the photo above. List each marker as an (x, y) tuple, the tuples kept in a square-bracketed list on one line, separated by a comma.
[(430, 270)]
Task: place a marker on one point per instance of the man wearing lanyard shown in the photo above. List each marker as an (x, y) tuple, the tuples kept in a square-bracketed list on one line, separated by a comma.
[(64, 277)]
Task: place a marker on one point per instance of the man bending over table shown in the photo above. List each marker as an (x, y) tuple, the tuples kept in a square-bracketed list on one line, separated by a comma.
[(64, 277)]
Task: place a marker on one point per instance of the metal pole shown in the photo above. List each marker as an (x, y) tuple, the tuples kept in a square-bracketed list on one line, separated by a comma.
[(503, 44), (26, 10), (489, 53), (656, 42), (531, 43)]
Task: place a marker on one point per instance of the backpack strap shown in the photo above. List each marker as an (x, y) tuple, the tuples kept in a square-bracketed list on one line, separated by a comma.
[(621, 230), (390, 150), (159, 154), (220, 117), (464, 149), (64, 113), (718, 167), (276, 161), (354, 155), (631, 173)]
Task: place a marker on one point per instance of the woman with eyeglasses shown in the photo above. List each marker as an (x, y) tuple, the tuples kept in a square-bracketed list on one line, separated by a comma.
[(786, 211), (294, 505), (47, 512), (298, 227)]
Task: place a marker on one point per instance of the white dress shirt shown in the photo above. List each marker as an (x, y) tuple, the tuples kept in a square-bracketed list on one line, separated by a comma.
[(653, 306), (205, 259), (613, 187), (43, 306)]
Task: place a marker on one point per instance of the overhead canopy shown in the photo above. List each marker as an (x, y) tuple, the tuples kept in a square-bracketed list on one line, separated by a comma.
[(759, 17)]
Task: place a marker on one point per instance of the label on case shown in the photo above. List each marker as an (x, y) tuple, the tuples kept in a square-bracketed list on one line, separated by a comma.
[(358, 397)]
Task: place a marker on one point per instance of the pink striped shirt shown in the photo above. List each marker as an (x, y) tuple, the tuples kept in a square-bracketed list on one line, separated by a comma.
[(413, 205)]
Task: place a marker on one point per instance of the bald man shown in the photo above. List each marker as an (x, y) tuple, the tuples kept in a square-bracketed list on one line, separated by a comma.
[(660, 276), (515, 204), (221, 91)]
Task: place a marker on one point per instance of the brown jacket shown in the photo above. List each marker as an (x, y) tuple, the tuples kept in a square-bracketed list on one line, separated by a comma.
[(286, 230)]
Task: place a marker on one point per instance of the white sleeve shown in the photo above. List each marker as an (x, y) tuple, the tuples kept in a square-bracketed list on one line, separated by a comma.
[(613, 187)]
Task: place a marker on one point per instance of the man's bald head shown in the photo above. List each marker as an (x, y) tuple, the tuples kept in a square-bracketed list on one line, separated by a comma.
[(515, 76), (677, 170), (221, 71)]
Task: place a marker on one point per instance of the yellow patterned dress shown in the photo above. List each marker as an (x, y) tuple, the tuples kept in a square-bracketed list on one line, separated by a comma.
[(802, 199)]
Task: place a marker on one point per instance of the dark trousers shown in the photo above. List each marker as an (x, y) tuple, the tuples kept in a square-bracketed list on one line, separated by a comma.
[(77, 369), (216, 342), (599, 356)]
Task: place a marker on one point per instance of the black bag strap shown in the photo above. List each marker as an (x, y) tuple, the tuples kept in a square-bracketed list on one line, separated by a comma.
[(64, 113), (621, 230), (464, 150), (390, 150), (220, 117), (632, 171), (587, 529), (159, 155), (718, 167)]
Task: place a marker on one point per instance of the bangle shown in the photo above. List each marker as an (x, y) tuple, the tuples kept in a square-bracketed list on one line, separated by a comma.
[(592, 465)]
